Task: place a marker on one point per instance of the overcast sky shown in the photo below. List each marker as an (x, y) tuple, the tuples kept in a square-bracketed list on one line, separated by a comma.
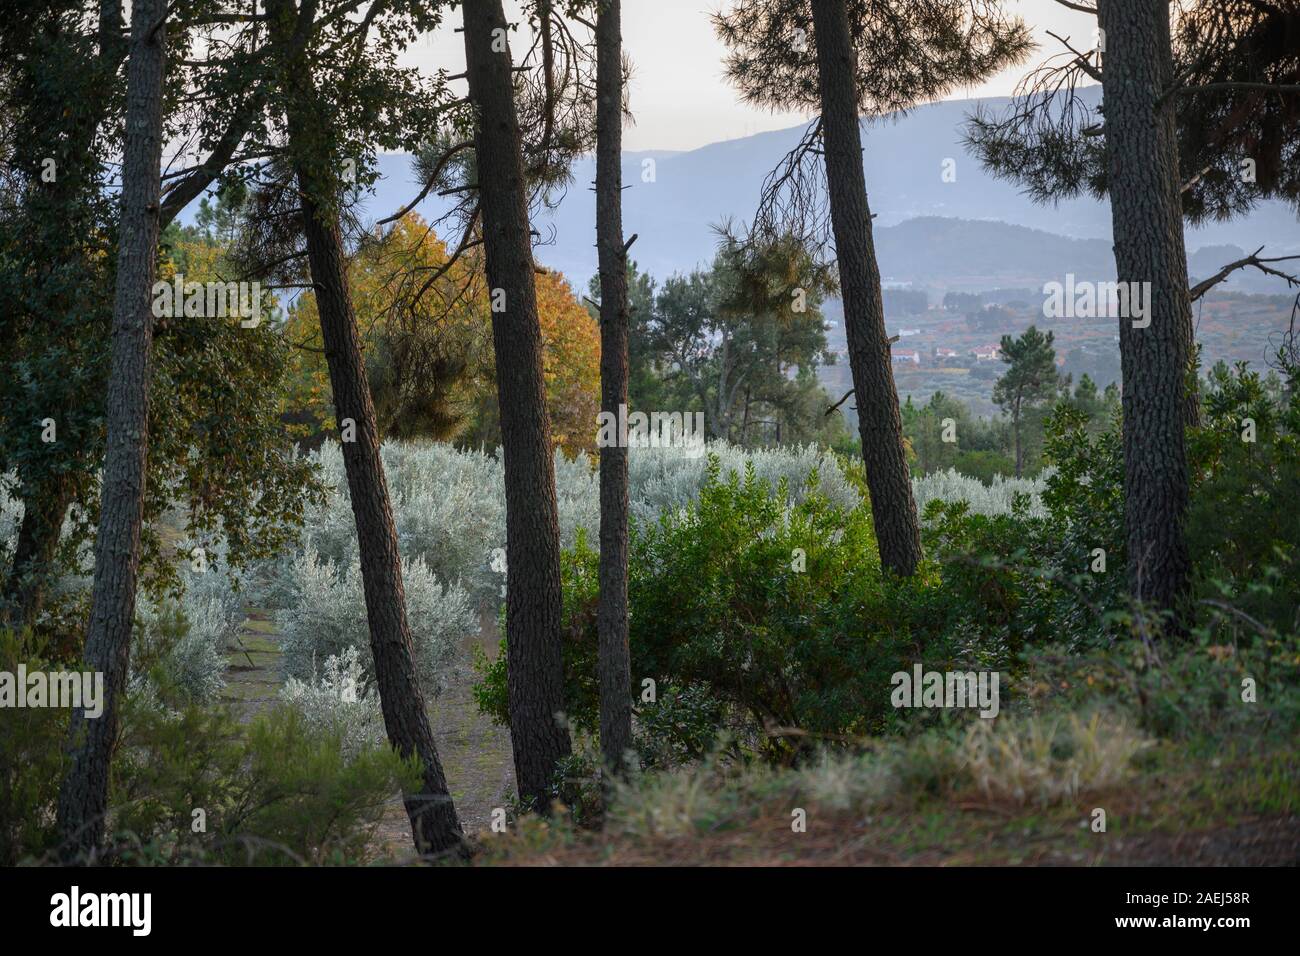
[(681, 100)]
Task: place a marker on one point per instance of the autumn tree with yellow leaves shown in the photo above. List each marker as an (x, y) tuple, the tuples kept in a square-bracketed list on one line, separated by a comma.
[(426, 327)]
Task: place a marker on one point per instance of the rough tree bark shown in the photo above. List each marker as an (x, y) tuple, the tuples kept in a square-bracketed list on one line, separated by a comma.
[(434, 824), (435, 827), (533, 602), (893, 510), (1146, 213), (611, 615), (1016, 425), (83, 798)]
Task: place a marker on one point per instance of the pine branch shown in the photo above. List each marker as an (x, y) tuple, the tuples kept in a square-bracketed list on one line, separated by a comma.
[(1253, 260)]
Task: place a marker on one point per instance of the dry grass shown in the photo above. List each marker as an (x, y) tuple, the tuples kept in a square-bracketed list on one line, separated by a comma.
[(1045, 761), (1034, 761)]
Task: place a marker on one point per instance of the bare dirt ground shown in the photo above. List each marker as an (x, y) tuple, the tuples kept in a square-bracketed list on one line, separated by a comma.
[(477, 758), (985, 839), (475, 753)]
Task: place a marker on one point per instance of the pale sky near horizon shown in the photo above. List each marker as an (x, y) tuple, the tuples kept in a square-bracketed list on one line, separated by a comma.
[(679, 97)]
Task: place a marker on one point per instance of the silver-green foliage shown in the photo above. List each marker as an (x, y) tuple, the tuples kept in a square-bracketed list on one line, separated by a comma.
[(326, 615), (338, 702)]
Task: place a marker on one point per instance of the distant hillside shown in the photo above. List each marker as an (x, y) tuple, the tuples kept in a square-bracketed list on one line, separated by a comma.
[(693, 191), (980, 255)]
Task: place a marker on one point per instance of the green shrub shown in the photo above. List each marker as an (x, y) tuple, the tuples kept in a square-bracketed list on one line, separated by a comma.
[(1192, 691), (755, 616), (984, 465), (1243, 528), (32, 741), (271, 793)]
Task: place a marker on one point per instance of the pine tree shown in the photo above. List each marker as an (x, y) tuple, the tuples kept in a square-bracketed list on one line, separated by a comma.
[(83, 798), (1144, 184), (612, 613), (533, 598), (1183, 105), (1030, 381), (843, 58), (314, 156)]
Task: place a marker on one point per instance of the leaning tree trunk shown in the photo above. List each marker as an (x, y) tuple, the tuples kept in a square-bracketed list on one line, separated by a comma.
[(1146, 213), (889, 484), (534, 665), (83, 798), (611, 614), (435, 827)]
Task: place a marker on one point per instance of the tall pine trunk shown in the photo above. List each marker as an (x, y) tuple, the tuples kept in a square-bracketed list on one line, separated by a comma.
[(1016, 427), (434, 824), (83, 798), (533, 602), (1146, 213), (889, 483), (611, 615), (435, 827)]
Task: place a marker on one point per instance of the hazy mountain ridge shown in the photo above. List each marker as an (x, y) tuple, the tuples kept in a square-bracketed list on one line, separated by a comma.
[(972, 231)]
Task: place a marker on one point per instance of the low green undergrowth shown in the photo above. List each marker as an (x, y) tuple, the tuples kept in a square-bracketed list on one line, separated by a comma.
[(190, 783)]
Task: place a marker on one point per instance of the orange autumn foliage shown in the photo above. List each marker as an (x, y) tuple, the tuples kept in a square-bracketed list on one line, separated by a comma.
[(571, 363), (444, 384)]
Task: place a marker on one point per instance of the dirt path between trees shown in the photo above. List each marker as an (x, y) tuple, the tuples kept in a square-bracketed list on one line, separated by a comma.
[(475, 752)]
